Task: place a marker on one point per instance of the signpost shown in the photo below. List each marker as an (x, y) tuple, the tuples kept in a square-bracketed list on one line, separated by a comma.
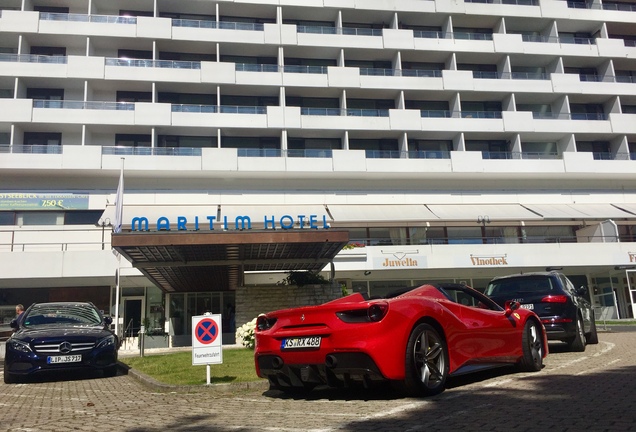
[(206, 341)]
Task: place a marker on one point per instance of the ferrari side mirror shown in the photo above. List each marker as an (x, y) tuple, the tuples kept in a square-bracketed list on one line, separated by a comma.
[(511, 306)]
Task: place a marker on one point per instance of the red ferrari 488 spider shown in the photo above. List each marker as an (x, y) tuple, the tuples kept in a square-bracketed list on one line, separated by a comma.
[(415, 338)]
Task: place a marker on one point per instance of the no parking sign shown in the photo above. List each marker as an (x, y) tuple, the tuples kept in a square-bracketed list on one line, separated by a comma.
[(206, 340)]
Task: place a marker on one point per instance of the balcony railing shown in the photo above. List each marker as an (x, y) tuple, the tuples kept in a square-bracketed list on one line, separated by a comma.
[(305, 69), (401, 72), (619, 6), (258, 152), (428, 154), (471, 36), (525, 75), (339, 30), (432, 34), (507, 2), (322, 111), (310, 153), (109, 19), (250, 67), (164, 64), (224, 25), (607, 78), (118, 106), (30, 149), (229, 109), (539, 38), (583, 5), (613, 156), (32, 58), (151, 151), (436, 113), (352, 112), (588, 116), (478, 114)]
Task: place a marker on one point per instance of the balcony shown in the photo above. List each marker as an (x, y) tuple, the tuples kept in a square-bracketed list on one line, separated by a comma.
[(30, 149), (59, 104), (224, 25), (151, 151), (108, 19), (162, 64), (33, 58), (339, 31)]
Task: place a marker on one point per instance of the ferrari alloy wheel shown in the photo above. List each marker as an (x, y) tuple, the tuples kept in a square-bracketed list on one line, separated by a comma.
[(577, 343), (532, 346), (426, 361)]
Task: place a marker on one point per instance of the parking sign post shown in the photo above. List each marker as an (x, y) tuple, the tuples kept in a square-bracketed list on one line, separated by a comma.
[(206, 341)]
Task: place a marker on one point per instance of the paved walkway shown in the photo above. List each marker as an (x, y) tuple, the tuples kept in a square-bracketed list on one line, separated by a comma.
[(591, 391)]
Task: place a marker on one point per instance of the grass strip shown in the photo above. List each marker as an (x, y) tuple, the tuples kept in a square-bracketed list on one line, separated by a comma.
[(177, 368)]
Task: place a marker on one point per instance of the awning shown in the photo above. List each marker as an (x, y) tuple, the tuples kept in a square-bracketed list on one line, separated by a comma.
[(477, 212), (213, 261), (578, 211), (380, 213), (631, 208)]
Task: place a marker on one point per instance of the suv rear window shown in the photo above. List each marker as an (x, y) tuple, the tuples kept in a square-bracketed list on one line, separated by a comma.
[(520, 285)]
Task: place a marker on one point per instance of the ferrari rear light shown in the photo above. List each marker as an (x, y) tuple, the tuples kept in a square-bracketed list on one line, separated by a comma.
[(265, 323), (373, 313), (377, 311), (555, 299)]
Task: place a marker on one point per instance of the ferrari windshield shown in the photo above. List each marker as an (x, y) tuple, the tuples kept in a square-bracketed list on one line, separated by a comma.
[(62, 314)]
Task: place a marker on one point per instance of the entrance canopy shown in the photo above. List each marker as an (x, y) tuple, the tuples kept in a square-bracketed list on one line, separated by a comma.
[(206, 261)]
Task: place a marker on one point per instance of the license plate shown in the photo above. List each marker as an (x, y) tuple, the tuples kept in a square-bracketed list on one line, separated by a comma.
[(64, 359), (528, 306), (299, 343)]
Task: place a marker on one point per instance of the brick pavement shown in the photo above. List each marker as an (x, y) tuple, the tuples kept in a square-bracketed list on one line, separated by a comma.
[(592, 391)]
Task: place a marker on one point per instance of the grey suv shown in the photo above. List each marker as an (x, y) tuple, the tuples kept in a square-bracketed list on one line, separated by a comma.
[(564, 311)]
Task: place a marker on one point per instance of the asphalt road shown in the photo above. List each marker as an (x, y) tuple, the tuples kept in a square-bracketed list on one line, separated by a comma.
[(590, 391)]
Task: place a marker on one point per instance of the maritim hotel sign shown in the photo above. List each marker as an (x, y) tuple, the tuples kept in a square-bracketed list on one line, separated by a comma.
[(226, 223)]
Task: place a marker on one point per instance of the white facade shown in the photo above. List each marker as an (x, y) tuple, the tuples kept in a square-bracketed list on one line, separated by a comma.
[(456, 140)]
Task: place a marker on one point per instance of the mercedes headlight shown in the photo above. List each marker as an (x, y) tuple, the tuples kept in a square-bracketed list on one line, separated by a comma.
[(107, 341), (18, 345)]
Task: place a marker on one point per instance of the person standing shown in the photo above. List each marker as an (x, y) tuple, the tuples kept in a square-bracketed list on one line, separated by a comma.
[(19, 308)]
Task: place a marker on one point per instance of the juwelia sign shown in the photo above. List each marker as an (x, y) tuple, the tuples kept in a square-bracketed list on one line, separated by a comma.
[(196, 223)]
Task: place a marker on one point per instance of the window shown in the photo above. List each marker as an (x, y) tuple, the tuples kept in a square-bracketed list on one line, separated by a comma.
[(133, 140), (187, 98), (43, 138), (376, 148), (48, 51), (7, 218), (51, 9), (45, 94), (186, 141), (40, 218), (82, 217), (134, 54), (133, 96)]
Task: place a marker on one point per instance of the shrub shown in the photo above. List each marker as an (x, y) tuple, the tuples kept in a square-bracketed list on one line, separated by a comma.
[(245, 334)]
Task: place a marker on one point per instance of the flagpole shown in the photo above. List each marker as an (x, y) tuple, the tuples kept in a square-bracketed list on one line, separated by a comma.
[(119, 210)]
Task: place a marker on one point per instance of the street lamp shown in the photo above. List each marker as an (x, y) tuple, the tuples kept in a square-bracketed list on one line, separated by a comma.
[(483, 220)]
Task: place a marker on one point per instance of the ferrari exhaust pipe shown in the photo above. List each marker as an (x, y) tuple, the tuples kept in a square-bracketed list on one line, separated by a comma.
[(331, 361), (277, 362)]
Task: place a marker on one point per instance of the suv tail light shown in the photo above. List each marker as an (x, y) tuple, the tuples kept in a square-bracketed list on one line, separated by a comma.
[(555, 299)]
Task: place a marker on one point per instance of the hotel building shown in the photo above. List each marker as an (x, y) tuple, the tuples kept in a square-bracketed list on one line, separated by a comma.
[(385, 143)]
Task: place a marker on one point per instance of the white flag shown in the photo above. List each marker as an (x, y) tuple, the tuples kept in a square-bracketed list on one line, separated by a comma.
[(119, 202)]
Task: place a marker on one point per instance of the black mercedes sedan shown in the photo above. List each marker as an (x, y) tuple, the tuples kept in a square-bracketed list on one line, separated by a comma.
[(58, 337)]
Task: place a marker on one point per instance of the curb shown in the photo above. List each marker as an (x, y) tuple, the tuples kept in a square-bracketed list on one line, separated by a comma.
[(224, 388)]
